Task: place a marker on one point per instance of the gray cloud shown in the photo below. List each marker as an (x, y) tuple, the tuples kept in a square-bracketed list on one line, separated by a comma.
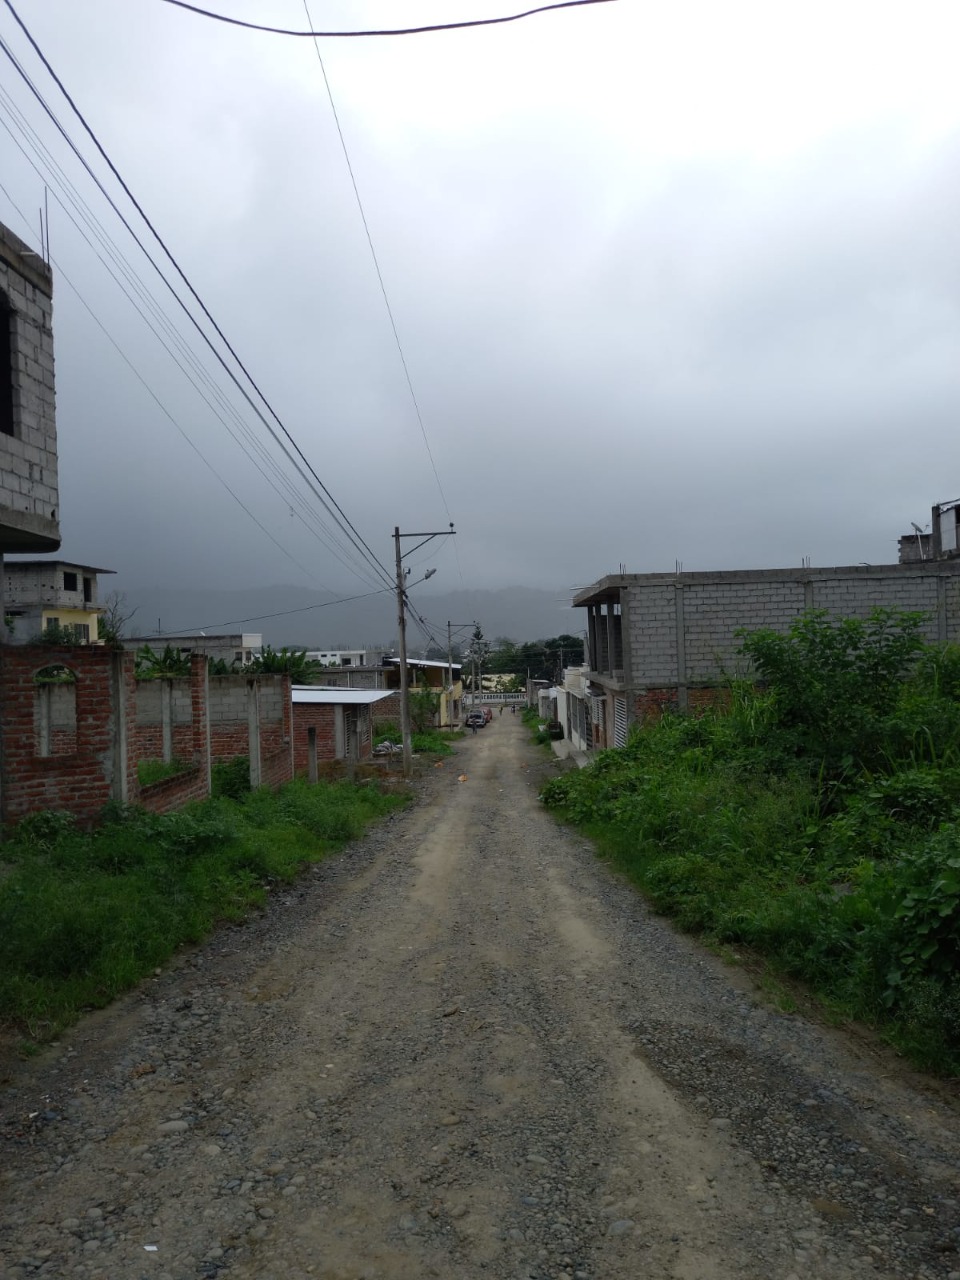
[(661, 297)]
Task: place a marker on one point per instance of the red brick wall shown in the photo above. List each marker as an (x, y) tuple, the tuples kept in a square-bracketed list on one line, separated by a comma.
[(227, 741), (230, 728), (652, 704), (276, 769), (321, 717), (173, 793), (83, 780), (386, 709)]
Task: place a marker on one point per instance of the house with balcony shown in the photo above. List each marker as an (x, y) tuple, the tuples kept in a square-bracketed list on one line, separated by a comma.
[(44, 596)]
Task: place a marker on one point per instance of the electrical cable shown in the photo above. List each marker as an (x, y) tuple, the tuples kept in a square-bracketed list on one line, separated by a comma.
[(56, 175), (160, 405), (263, 617), (394, 31), (376, 266), (320, 491)]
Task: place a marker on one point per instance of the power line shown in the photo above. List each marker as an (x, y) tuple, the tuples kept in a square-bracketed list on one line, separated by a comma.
[(159, 403), (56, 174), (263, 617), (319, 488), (376, 266), (394, 31), (324, 535)]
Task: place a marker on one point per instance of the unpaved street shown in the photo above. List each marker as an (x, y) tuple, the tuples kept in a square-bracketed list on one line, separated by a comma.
[(464, 1049)]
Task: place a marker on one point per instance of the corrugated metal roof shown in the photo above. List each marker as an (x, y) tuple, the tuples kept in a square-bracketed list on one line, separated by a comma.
[(308, 693), (422, 662)]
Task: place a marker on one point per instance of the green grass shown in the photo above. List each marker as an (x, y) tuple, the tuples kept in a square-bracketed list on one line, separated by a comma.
[(430, 742), (85, 915), (149, 771), (531, 718), (841, 873)]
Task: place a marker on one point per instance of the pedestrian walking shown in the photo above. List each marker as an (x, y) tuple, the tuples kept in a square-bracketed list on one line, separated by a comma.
[(501, 710)]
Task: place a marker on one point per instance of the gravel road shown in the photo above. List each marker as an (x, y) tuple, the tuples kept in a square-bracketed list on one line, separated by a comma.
[(463, 1048)]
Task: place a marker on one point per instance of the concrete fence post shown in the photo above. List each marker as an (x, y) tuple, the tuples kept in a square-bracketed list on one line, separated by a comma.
[(166, 720), (253, 732), (121, 706)]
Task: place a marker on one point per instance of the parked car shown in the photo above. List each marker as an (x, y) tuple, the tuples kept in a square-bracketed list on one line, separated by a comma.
[(475, 718)]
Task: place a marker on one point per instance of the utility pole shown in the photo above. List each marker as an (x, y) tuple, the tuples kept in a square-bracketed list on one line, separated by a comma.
[(402, 634), (459, 626), (404, 685)]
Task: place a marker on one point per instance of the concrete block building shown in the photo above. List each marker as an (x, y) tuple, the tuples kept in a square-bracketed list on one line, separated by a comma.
[(40, 594), (236, 647), (668, 640), (29, 493)]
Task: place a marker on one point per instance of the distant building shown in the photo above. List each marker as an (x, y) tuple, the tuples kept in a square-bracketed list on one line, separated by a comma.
[(422, 673), (29, 496), (238, 647), (942, 542), (42, 594), (346, 657)]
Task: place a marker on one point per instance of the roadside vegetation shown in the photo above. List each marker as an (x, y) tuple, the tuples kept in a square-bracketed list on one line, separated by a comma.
[(531, 718), (84, 915), (426, 741), (814, 819)]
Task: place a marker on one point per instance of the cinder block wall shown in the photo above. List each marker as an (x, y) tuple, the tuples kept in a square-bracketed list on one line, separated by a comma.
[(150, 722), (28, 458), (683, 631)]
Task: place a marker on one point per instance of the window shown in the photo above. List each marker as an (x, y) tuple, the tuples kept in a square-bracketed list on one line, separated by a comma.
[(238, 655), (52, 624), (87, 590), (81, 631), (69, 581), (55, 712), (7, 334)]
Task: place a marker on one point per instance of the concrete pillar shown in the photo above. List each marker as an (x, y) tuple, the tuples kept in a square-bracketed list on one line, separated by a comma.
[(45, 718), (121, 676), (681, 635), (312, 754), (166, 720), (253, 732)]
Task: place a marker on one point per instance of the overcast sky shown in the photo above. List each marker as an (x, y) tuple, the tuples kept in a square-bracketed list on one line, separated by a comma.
[(673, 281)]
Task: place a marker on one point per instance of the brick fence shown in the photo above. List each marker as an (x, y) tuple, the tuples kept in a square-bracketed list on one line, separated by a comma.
[(49, 762), (75, 722)]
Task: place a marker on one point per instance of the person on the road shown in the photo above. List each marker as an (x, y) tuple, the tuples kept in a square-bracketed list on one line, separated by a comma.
[(473, 726), (501, 710)]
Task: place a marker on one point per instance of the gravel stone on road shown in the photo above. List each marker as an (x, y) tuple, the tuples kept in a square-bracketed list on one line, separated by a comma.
[(464, 1048)]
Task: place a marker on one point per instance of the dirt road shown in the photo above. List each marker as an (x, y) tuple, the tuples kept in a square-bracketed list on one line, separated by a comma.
[(463, 1049)]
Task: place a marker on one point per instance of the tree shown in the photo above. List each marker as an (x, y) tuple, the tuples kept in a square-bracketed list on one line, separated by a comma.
[(151, 665), (424, 706), (478, 649), (112, 623), (291, 662)]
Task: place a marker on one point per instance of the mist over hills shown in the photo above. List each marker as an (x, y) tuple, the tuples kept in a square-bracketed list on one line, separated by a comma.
[(309, 619)]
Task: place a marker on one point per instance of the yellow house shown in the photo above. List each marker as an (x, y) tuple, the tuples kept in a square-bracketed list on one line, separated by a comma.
[(42, 594), (425, 673)]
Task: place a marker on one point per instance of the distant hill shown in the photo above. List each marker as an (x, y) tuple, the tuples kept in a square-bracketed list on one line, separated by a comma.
[(307, 619)]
